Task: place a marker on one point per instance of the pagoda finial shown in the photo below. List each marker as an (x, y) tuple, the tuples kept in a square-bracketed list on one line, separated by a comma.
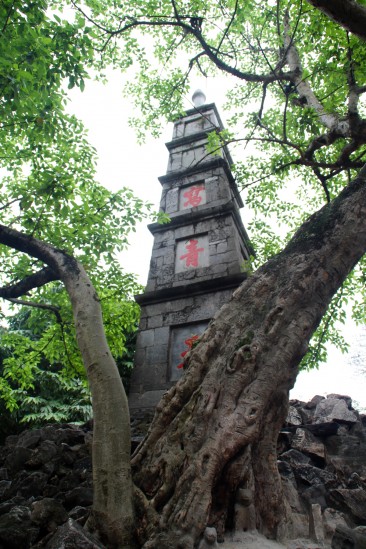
[(198, 98)]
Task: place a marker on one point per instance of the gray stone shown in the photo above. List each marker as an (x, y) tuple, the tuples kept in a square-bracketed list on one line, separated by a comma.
[(31, 484), (293, 498), (29, 439), (346, 453), (79, 496), (306, 442), (314, 475), (331, 519), (352, 502), (4, 473), (4, 486), (71, 536), (209, 539), (155, 322), (323, 429), (157, 354), (316, 530), (294, 457), (146, 338), (312, 404), (346, 398), (16, 529), (48, 513), (293, 417), (346, 538), (334, 409), (316, 494), (43, 454), (19, 457)]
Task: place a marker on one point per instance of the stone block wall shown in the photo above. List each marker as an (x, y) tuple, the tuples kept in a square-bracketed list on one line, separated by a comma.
[(197, 251), (164, 327)]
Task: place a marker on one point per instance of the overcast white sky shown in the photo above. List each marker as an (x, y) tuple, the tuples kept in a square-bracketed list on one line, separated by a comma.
[(122, 162)]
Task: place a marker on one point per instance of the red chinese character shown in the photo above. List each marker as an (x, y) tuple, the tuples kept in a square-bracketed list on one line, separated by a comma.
[(192, 256), (193, 196)]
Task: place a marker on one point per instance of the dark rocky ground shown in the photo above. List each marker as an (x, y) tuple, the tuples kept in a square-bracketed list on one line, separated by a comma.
[(46, 485)]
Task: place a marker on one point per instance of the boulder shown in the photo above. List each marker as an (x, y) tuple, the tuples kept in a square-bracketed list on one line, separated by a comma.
[(306, 442), (16, 529), (331, 519), (72, 536), (334, 409), (48, 513), (351, 502), (293, 417), (347, 538), (316, 529)]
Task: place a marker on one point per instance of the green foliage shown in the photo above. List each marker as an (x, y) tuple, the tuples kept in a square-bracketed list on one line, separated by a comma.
[(48, 186), (48, 189)]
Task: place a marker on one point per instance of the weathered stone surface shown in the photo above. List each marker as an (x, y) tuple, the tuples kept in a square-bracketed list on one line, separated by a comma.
[(315, 494), (48, 513), (29, 439), (332, 519), (4, 473), (43, 454), (334, 409), (306, 442), (16, 529), (79, 496), (338, 493), (293, 417), (312, 404), (316, 529), (346, 453), (352, 502), (346, 538), (294, 457), (71, 536), (18, 458), (347, 399), (310, 475)]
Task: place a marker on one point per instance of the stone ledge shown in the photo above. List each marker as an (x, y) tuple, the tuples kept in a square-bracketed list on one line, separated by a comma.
[(196, 288)]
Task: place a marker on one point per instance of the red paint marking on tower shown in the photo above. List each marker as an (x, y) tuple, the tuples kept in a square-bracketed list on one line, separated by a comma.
[(192, 256), (193, 195)]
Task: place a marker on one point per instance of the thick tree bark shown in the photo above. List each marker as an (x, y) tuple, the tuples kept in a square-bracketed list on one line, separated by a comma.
[(348, 13), (215, 431), (112, 513)]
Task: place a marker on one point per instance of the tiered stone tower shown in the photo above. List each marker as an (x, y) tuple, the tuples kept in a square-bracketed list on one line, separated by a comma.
[(197, 258)]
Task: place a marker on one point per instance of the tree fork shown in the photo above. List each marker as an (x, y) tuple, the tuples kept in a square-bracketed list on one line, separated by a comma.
[(233, 395)]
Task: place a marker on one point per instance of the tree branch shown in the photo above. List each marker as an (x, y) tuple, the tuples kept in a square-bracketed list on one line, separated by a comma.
[(36, 280), (51, 308), (349, 14), (211, 52), (330, 121)]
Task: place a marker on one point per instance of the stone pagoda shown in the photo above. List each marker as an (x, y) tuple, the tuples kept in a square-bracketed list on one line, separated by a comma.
[(197, 258)]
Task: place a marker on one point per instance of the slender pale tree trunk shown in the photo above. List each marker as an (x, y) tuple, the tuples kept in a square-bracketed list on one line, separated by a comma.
[(112, 513), (216, 430)]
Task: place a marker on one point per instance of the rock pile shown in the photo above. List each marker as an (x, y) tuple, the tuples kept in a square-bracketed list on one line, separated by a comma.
[(322, 462), (46, 484)]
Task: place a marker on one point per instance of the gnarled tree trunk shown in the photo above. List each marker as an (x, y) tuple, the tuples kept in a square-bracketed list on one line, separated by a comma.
[(112, 513), (216, 430)]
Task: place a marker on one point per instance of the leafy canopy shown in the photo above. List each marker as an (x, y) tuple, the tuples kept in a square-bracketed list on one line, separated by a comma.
[(48, 189)]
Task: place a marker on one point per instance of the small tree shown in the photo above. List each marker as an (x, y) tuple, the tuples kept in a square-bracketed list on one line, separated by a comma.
[(216, 430)]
